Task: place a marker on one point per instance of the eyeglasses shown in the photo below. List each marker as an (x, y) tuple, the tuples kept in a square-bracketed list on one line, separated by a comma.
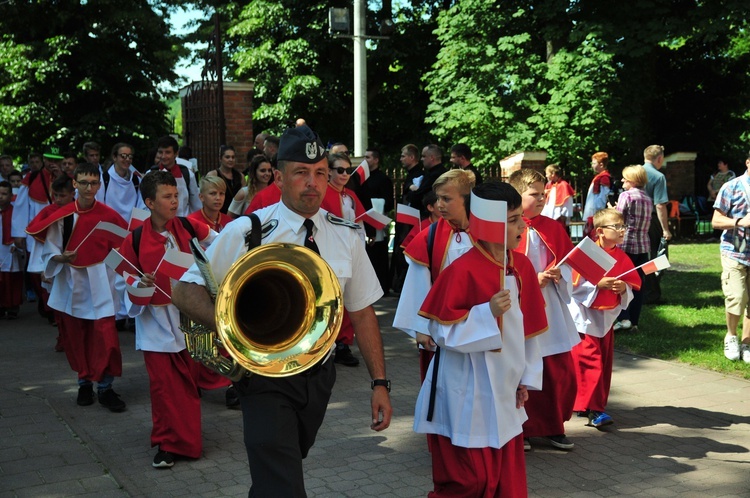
[(84, 184), (126, 156), (341, 171), (619, 228)]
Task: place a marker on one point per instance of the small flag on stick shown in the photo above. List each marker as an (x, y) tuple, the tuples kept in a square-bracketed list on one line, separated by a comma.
[(118, 263), (488, 219), (363, 171), (407, 214), (137, 217), (376, 220), (590, 260), (649, 267), (175, 263), (140, 296)]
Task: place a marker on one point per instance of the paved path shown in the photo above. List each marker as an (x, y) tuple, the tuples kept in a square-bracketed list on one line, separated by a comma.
[(678, 431)]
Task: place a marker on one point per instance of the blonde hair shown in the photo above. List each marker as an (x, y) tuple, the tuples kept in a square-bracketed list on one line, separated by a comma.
[(212, 181), (635, 174), (463, 179), (606, 216), (524, 178)]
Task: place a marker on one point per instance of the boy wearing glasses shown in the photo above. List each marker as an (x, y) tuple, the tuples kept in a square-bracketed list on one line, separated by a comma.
[(594, 308), (545, 243), (81, 291)]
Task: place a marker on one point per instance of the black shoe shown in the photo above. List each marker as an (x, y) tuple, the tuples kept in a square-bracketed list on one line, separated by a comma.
[(111, 400), (233, 401), (344, 356), (85, 395), (121, 325), (163, 460), (560, 442)]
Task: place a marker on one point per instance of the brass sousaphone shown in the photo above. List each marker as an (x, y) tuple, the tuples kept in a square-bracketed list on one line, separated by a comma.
[(278, 312)]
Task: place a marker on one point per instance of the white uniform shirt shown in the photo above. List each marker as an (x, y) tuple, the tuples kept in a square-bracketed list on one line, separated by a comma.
[(121, 194), (25, 209), (562, 334), (340, 246), (418, 283), (80, 292), (552, 211), (475, 401)]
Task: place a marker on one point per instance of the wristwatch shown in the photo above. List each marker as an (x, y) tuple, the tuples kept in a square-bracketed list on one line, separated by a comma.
[(381, 382)]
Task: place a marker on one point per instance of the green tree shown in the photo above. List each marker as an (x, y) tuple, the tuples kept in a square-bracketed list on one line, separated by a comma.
[(77, 71)]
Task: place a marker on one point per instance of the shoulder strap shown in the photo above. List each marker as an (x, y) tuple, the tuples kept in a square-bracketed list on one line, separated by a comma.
[(105, 179), (186, 176), (136, 181), (137, 240), (188, 226), (67, 230), (431, 242), (253, 237)]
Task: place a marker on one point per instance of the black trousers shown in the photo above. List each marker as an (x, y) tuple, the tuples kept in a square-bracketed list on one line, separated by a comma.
[(378, 254), (652, 283), (281, 417)]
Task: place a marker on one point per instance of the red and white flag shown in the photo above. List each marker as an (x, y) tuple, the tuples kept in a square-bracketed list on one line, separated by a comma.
[(140, 296), (407, 214), (111, 232), (589, 260), (175, 263), (488, 219), (137, 217), (656, 264), (118, 263), (363, 171), (375, 219)]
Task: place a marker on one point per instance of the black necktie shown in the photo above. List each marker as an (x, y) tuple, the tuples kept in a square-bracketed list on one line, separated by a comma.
[(309, 240)]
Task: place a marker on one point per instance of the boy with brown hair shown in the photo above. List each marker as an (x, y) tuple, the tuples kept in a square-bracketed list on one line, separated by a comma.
[(546, 243), (594, 308)]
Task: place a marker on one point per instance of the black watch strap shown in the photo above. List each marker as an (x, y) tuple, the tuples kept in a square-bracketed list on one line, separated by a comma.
[(381, 382)]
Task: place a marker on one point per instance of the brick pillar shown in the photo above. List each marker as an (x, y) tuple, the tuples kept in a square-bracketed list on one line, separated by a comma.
[(528, 159), (238, 114), (679, 168)]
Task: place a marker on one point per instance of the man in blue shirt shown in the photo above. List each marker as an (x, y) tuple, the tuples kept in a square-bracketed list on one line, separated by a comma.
[(656, 188)]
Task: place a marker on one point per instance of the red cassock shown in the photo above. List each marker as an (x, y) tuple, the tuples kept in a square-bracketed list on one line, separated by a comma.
[(593, 357), (549, 408), (11, 282)]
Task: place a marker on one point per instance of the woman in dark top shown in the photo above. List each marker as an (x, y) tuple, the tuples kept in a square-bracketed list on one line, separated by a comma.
[(233, 178)]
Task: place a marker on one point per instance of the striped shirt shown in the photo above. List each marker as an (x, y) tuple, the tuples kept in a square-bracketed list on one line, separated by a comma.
[(733, 202), (636, 208)]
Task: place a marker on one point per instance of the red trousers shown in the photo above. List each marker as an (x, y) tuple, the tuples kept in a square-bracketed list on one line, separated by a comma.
[(91, 346), (550, 408), (175, 404), (11, 285), (478, 472), (593, 366)]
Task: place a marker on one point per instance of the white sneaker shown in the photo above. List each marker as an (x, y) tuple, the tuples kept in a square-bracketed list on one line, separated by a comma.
[(622, 325), (732, 347), (745, 350)]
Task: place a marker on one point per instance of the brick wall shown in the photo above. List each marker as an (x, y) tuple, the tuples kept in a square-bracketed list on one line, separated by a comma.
[(529, 159), (679, 169), (238, 115)]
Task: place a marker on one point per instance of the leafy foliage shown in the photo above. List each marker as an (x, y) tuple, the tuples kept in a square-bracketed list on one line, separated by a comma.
[(89, 72)]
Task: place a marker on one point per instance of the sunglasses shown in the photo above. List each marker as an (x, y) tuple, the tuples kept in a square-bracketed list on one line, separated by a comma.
[(341, 171)]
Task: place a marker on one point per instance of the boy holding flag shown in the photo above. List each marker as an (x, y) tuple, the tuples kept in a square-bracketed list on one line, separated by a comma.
[(594, 308), (173, 375), (73, 256), (545, 243), (471, 403)]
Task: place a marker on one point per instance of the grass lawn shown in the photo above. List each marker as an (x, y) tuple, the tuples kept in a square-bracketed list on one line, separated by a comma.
[(690, 327)]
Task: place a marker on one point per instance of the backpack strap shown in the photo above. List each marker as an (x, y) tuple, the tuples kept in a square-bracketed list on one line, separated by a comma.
[(67, 230), (188, 226), (137, 240), (431, 243), (186, 176), (436, 358)]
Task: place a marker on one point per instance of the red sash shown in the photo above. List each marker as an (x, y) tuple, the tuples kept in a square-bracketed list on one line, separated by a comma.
[(216, 225), (473, 279), (39, 188), (605, 298), (563, 191), (603, 179), (333, 202), (553, 236), (38, 226), (417, 249), (415, 231), (152, 248), (175, 170)]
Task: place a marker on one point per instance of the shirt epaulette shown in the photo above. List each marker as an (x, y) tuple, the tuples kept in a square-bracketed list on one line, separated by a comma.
[(268, 227), (341, 221)]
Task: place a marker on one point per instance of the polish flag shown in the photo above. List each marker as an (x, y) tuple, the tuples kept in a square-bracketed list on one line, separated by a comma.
[(407, 214), (363, 171), (375, 219), (140, 296), (488, 219), (175, 263), (656, 264), (118, 263), (137, 217), (589, 260), (111, 232)]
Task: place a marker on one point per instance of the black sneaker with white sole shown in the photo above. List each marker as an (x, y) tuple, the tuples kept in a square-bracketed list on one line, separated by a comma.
[(163, 460)]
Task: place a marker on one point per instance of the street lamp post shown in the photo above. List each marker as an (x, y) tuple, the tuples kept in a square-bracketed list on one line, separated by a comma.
[(360, 79)]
